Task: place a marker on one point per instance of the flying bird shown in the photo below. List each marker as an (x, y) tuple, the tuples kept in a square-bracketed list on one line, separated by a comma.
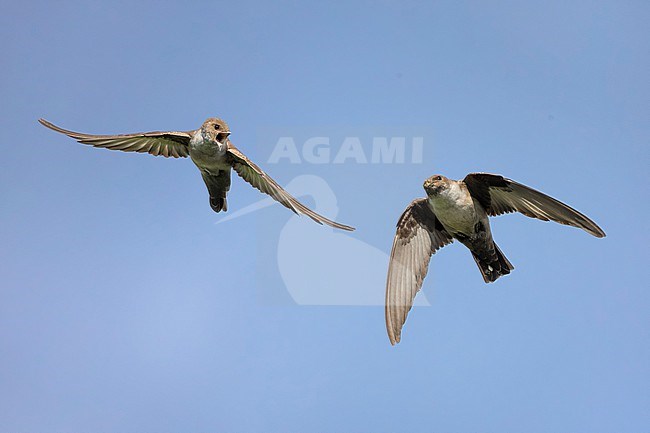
[(459, 210), (212, 152)]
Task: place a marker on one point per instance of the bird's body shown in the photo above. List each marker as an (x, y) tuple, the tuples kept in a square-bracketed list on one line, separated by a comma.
[(460, 210), (465, 219), (211, 150), (210, 155)]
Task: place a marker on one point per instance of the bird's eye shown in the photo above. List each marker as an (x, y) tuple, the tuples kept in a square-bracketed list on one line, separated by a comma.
[(216, 126), (437, 178)]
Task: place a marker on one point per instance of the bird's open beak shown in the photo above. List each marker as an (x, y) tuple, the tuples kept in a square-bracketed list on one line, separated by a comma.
[(223, 135)]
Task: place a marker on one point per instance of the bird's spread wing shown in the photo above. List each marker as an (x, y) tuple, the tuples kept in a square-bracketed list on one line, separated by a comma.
[(418, 236), (254, 175), (167, 144), (499, 195)]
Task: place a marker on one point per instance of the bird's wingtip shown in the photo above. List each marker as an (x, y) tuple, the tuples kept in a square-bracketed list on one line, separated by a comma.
[(46, 123), (393, 336), (597, 232)]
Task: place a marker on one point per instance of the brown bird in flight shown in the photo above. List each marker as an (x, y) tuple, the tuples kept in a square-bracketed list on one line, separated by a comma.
[(459, 210), (212, 152)]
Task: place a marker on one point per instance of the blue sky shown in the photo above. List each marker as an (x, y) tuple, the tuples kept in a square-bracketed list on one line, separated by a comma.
[(125, 308)]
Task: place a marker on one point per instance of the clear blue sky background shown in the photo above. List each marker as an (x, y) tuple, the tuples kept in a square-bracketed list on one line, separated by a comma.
[(124, 308)]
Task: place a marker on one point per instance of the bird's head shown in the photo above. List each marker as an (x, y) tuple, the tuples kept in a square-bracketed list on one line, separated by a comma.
[(215, 129), (435, 184)]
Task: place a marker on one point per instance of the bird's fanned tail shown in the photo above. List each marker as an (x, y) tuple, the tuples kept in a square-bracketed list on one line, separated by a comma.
[(491, 262)]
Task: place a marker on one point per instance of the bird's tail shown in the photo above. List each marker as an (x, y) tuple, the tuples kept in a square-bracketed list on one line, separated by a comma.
[(218, 186), (492, 262), (218, 204)]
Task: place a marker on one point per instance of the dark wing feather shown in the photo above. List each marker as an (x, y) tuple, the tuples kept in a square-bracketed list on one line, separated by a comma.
[(167, 144), (254, 175), (418, 236), (499, 195)]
